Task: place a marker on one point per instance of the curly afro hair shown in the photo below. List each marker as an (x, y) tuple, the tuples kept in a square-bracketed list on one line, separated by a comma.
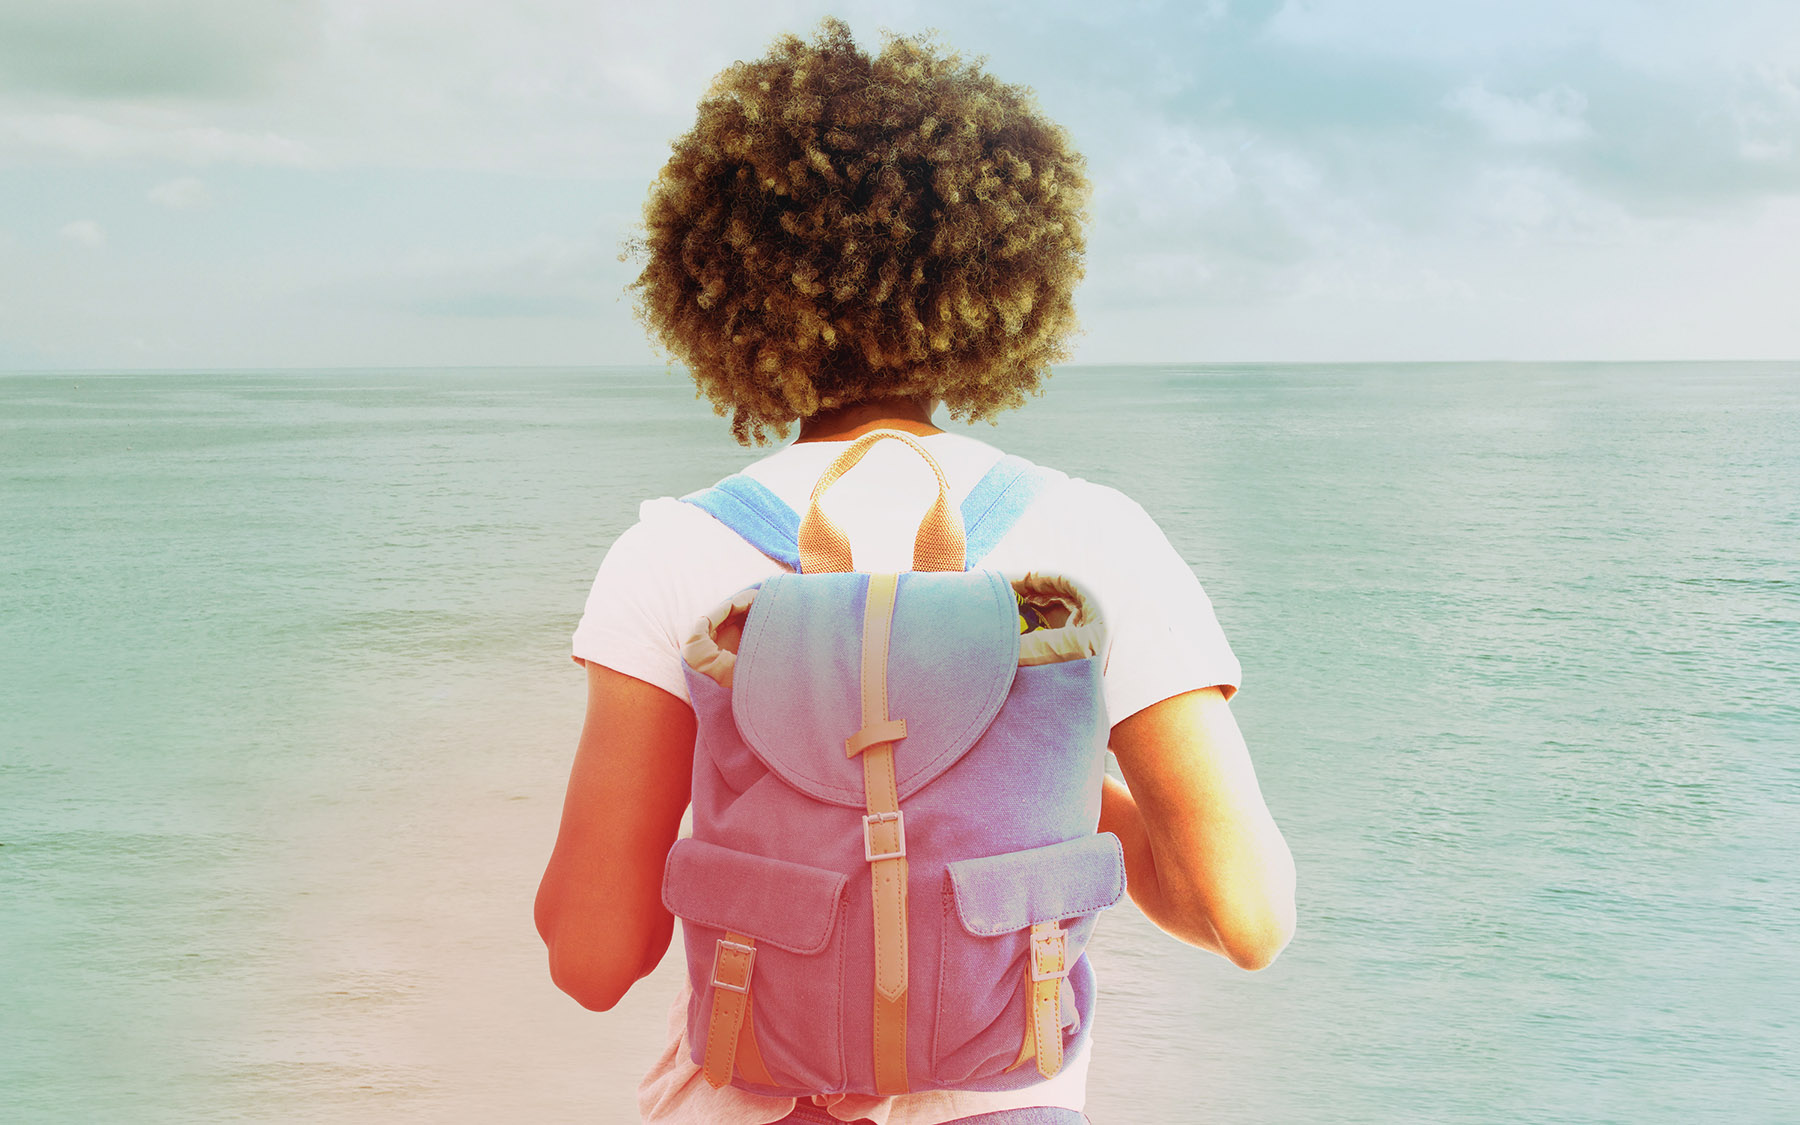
[(837, 228)]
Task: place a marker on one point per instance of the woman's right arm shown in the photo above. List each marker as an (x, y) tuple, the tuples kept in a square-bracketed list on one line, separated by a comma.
[(599, 907), (1203, 857)]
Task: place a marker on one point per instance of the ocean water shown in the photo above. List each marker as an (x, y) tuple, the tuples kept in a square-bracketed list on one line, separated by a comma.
[(286, 709)]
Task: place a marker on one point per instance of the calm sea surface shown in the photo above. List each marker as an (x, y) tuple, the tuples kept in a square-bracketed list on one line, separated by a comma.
[(285, 713)]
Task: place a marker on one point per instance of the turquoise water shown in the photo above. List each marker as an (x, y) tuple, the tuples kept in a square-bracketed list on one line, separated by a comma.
[(285, 710)]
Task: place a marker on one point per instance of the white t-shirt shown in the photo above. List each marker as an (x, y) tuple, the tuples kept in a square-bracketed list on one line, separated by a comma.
[(677, 562)]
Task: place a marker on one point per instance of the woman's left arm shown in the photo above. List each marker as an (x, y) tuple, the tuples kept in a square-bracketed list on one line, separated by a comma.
[(599, 907), (1203, 857)]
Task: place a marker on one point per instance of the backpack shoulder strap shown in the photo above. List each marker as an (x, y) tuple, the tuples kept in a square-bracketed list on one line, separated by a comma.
[(997, 501), (758, 516), (764, 521)]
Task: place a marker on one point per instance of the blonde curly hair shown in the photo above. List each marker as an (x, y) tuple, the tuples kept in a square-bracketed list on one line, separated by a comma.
[(837, 228)]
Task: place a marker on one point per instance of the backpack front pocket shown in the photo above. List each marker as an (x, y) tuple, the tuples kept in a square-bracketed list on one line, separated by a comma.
[(1015, 928), (765, 952)]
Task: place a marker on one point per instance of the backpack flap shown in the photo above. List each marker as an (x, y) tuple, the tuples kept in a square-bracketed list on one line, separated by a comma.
[(1020, 922), (999, 894), (765, 960), (797, 687), (789, 905)]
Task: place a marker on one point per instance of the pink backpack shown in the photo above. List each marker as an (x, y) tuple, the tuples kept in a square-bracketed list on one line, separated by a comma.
[(894, 868)]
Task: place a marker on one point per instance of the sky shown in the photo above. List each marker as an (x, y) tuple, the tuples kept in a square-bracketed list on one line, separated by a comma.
[(362, 183)]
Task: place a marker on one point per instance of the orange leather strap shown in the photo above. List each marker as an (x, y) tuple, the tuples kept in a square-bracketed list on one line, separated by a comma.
[(884, 838), (1027, 1046), (749, 1058), (1045, 970), (734, 959), (1048, 965)]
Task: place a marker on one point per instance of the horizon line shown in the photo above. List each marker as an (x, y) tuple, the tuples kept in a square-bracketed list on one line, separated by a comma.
[(674, 369)]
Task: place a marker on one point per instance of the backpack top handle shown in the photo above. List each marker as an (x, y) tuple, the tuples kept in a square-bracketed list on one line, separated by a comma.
[(938, 546)]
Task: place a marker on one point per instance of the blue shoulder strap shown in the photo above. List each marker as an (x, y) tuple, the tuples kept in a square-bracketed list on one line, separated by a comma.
[(756, 514), (760, 517), (996, 502)]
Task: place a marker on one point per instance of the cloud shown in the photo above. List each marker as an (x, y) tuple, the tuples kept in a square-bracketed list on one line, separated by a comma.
[(183, 194), (1247, 154), (1553, 116), (1176, 175), (1765, 114), (496, 304), (1539, 203), (543, 278), (1216, 216), (1640, 34), (85, 233), (1400, 105), (133, 48), (136, 134)]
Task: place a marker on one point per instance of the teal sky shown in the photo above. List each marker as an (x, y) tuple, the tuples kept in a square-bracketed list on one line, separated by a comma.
[(271, 183)]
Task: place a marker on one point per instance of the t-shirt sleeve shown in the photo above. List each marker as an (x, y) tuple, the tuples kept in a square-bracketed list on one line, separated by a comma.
[(636, 598), (1164, 636)]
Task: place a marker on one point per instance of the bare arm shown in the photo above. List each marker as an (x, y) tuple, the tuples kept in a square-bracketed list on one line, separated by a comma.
[(1204, 859), (599, 907)]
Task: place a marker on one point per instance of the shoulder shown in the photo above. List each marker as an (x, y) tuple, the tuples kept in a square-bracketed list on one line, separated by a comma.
[(1101, 538), (657, 579), (678, 547), (1099, 500), (1106, 521), (672, 529)]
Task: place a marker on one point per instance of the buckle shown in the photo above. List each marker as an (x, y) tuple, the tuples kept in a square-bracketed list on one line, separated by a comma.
[(749, 952), (1042, 947), (898, 819)]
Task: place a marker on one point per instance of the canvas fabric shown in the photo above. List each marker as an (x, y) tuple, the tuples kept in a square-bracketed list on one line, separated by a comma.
[(997, 774), (677, 561)]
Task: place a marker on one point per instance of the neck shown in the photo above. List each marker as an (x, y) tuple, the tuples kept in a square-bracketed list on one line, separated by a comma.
[(912, 415)]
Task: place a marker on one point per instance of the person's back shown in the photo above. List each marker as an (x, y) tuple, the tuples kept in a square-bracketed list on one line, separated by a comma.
[(882, 313)]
